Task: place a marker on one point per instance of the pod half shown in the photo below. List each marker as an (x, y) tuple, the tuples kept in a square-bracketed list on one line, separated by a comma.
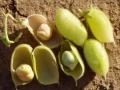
[(21, 55), (45, 65), (78, 71)]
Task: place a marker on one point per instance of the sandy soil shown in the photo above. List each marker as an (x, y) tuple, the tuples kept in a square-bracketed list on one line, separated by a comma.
[(90, 81)]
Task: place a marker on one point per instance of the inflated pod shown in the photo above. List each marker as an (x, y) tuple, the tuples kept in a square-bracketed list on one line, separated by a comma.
[(70, 26), (21, 65), (100, 25), (42, 30), (45, 65), (70, 61), (96, 57)]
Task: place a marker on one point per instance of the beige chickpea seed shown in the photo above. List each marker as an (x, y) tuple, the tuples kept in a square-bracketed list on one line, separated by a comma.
[(44, 31), (24, 72)]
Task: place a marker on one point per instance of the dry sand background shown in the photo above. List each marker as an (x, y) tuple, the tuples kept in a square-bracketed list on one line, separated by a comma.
[(23, 8)]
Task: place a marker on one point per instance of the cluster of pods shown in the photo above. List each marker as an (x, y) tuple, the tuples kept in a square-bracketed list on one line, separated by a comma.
[(71, 33)]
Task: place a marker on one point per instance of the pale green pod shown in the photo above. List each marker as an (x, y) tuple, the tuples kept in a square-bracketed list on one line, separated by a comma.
[(42, 30), (96, 57), (79, 70), (70, 27), (45, 65), (100, 25), (21, 55)]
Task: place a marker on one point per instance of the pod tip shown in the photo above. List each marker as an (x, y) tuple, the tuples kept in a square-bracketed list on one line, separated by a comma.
[(104, 77), (76, 83), (114, 44)]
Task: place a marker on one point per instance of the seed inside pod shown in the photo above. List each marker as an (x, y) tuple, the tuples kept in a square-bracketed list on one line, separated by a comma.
[(21, 65), (69, 60), (44, 32), (24, 72)]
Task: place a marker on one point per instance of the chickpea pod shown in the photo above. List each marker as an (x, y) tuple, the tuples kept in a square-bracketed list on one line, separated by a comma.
[(100, 25), (42, 30), (21, 65), (70, 27), (70, 61), (96, 57), (45, 65)]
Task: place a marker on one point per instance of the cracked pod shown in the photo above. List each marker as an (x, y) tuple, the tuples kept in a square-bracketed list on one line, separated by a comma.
[(42, 30), (21, 65), (70, 61), (45, 65)]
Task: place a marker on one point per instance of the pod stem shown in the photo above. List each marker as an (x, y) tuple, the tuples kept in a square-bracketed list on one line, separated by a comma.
[(76, 83), (5, 39), (16, 87), (114, 44), (83, 13), (104, 77), (58, 83)]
